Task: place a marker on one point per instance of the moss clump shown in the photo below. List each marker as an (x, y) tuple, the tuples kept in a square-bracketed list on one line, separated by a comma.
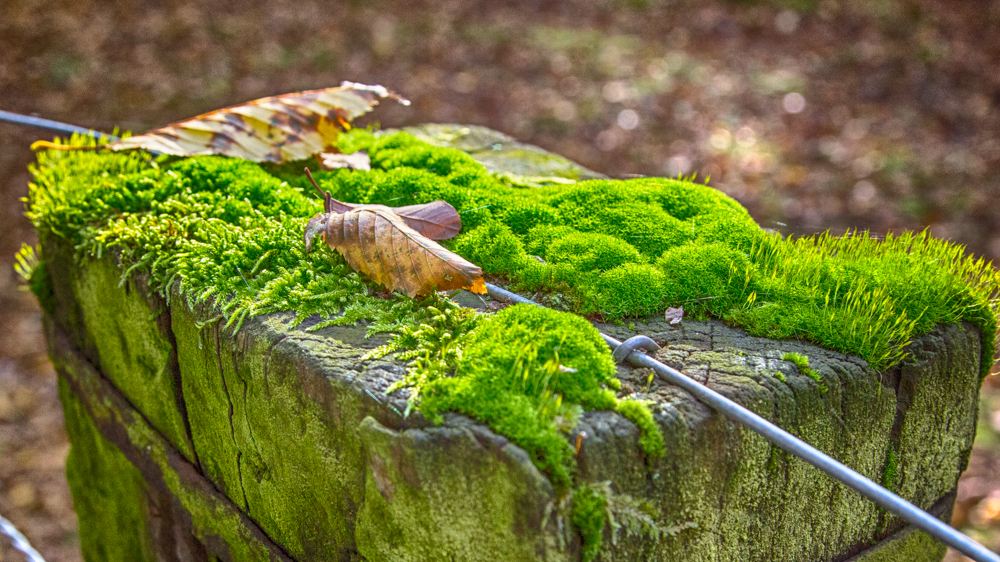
[(631, 288), (650, 439), (855, 293), (219, 228), (802, 362), (589, 517), (529, 373), (891, 471)]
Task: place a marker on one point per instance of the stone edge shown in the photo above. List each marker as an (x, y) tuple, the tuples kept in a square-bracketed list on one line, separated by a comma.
[(161, 465)]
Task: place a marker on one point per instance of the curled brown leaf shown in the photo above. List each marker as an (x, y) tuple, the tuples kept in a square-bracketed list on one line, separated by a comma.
[(396, 251), (377, 242)]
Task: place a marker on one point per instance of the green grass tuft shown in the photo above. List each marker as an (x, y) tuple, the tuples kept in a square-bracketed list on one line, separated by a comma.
[(802, 362)]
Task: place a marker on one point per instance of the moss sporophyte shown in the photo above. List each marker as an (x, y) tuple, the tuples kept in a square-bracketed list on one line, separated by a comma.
[(230, 231)]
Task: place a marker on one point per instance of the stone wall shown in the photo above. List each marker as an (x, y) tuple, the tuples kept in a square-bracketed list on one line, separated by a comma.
[(190, 442)]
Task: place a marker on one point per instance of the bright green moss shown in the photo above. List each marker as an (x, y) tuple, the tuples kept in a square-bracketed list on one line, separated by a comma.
[(521, 217), (541, 237), (854, 294), (802, 362), (493, 247), (705, 277), (638, 413), (629, 289), (219, 228), (738, 232), (589, 252), (589, 517), (528, 372)]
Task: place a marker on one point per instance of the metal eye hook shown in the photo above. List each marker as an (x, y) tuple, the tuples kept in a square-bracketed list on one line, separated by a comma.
[(621, 353)]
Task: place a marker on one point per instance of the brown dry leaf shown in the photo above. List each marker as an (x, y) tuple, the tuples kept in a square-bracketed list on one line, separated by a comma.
[(436, 220), (273, 129), (393, 246), (377, 242)]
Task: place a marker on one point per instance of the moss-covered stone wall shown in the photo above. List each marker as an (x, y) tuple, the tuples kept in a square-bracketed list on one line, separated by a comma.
[(276, 442)]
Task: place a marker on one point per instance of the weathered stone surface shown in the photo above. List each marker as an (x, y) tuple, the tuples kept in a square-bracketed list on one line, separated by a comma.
[(456, 492), (124, 330), (935, 425), (503, 154), (757, 495), (141, 498), (275, 416), (306, 450), (909, 544)]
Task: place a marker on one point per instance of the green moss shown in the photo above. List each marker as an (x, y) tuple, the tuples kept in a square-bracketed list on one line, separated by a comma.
[(110, 496), (35, 276), (651, 439), (855, 294), (528, 372), (524, 216), (630, 288), (221, 228), (589, 517), (891, 471), (704, 278), (588, 251), (802, 362), (494, 247)]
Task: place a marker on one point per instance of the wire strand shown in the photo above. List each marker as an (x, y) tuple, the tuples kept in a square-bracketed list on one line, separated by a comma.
[(19, 541)]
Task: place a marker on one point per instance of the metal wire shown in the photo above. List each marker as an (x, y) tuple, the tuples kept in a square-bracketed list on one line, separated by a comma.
[(835, 469), (18, 119), (19, 541)]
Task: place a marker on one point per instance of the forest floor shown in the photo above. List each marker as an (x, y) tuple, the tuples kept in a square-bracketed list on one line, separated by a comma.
[(870, 114)]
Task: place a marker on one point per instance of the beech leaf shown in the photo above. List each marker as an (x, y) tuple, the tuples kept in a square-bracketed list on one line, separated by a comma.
[(274, 129), (436, 220), (380, 243)]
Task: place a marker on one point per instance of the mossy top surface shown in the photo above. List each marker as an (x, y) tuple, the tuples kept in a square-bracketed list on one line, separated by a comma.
[(610, 248), (231, 230)]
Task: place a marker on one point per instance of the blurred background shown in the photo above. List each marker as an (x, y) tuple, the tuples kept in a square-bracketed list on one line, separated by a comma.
[(815, 114)]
